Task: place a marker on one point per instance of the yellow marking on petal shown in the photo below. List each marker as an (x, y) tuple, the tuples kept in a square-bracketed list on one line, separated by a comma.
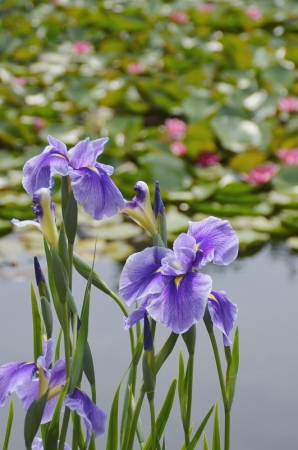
[(94, 169), (211, 296), (197, 248), (178, 280), (59, 155), (158, 270)]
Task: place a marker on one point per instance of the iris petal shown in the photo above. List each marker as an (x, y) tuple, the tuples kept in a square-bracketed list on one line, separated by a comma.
[(82, 154), (93, 416), (216, 241), (134, 317), (13, 375), (27, 394), (38, 445), (38, 171), (223, 313), (97, 192), (141, 276), (48, 352), (182, 302), (58, 373)]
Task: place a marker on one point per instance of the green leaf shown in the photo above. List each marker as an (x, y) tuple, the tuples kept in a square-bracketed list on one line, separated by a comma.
[(37, 333), (197, 435), (182, 392), (126, 414), (84, 269), (33, 419), (197, 108), (92, 445), (216, 430), (77, 362), (77, 432), (173, 178), (131, 381), (165, 351), (232, 371), (134, 410), (60, 277), (71, 218), (63, 248), (205, 442), (236, 134), (163, 415), (52, 285), (52, 434), (112, 439), (47, 315), (8, 426), (58, 344), (88, 367)]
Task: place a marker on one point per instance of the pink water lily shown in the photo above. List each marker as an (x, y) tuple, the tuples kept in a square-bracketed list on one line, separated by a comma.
[(288, 156)]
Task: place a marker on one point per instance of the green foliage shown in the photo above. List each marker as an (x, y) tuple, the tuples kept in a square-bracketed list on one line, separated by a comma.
[(33, 419), (8, 426), (232, 371), (36, 320), (221, 72)]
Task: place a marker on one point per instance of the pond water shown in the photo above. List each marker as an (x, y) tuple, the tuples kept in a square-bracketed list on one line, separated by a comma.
[(265, 410)]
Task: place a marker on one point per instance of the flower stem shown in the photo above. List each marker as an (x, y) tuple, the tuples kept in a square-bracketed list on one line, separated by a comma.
[(227, 430), (223, 390), (64, 428), (153, 429), (135, 417), (65, 326), (189, 397), (70, 257)]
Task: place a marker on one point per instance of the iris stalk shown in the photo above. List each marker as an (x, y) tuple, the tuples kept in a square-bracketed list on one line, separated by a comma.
[(153, 429), (189, 397), (223, 389)]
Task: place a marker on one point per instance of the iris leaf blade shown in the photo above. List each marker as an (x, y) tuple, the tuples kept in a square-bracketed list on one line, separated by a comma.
[(232, 371), (200, 430), (164, 414), (37, 331), (8, 425), (112, 439)]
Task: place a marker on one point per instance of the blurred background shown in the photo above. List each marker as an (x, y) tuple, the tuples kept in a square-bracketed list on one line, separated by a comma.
[(202, 97)]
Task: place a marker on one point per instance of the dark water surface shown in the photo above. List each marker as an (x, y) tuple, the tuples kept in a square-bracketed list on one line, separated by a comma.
[(265, 410)]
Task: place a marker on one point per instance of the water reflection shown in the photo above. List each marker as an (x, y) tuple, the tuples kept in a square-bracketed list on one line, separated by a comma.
[(265, 409)]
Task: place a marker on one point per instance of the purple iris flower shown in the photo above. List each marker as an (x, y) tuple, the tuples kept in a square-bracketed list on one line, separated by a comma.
[(168, 285), (38, 445), (91, 181), (19, 378), (139, 208)]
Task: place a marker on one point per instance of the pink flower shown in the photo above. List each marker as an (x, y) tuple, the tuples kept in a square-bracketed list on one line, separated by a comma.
[(288, 156), (178, 17), (20, 81), (261, 174), (136, 67), (178, 148), (206, 8), (288, 104), (175, 128), (253, 12), (38, 123), (81, 47), (207, 159)]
